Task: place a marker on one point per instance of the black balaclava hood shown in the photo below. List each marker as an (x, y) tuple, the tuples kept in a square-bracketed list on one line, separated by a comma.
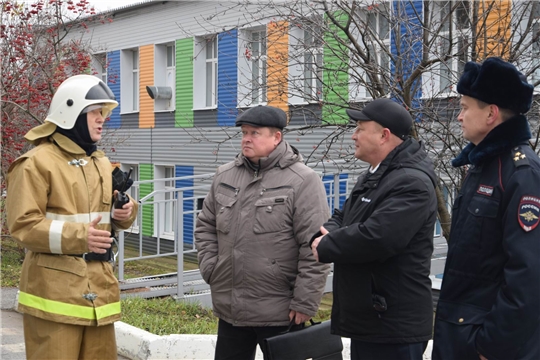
[(80, 135)]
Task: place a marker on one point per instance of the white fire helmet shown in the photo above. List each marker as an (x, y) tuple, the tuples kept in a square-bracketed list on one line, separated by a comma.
[(75, 95)]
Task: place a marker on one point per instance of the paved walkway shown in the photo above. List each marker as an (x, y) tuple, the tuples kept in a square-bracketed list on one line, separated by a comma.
[(12, 335)]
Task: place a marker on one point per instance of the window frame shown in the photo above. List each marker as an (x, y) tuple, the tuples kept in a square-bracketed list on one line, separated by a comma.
[(358, 92), (130, 81), (455, 64), (313, 47), (535, 45), (200, 61), (259, 59), (212, 61), (100, 65), (165, 74), (133, 191)]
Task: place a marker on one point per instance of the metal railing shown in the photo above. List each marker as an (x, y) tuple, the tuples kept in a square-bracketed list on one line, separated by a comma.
[(172, 203)]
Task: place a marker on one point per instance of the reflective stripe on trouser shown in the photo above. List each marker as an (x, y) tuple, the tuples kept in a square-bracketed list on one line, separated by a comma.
[(46, 339), (60, 308)]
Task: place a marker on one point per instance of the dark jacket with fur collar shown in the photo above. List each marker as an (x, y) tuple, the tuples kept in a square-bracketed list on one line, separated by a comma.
[(490, 296)]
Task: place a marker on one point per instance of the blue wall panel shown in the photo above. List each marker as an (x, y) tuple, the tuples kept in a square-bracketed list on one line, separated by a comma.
[(227, 78), (113, 81), (189, 218), (410, 46), (330, 191)]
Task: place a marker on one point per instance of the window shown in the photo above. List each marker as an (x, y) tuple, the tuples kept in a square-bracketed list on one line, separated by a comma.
[(99, 66), (135, 76), (129, 80), (379, 44), (536, 41), (165, 201), (257, 56), (211, 72), (165, 74), (205, 63), (369, 76), (453, 45), (170, 203), (313, 58), (133, 191)]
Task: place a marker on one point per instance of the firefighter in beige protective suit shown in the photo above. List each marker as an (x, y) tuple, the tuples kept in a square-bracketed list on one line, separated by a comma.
[(60, 208)]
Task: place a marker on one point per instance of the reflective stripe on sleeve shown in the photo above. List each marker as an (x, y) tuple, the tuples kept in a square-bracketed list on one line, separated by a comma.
[(55, 236), (60, 308), (57, 224), (81, 218)]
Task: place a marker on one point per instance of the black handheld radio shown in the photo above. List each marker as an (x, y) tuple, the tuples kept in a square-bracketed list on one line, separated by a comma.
[(121, 197)]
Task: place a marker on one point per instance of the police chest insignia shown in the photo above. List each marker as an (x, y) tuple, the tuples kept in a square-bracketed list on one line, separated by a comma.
[(485, 190), (529, 212)]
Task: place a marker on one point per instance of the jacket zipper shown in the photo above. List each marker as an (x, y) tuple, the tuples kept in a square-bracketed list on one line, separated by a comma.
[(230, 187), (276, 188)]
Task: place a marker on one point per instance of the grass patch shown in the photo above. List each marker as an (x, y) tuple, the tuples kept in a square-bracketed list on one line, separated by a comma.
[(165, 316), (11, 259)]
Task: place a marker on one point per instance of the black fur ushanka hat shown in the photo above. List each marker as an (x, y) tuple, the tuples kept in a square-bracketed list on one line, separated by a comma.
[(498, 82)]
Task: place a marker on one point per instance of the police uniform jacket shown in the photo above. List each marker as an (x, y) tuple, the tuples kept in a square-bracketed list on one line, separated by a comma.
[(54, 191), (381, 245), (252, 238), (490, 296)]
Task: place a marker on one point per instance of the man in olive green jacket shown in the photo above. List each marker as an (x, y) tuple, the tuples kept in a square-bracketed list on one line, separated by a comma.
[(252, 237)]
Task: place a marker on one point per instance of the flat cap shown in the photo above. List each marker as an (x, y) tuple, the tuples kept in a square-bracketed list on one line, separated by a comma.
[(387, 113), (498, 82), (263, 116)]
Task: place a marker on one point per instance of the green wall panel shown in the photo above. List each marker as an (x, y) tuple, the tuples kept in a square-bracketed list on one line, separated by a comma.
[(146, 172), (184, 83), (335, 75)]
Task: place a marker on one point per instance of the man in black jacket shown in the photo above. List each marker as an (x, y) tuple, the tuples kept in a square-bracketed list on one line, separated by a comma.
[(489, 306), (382, 241)]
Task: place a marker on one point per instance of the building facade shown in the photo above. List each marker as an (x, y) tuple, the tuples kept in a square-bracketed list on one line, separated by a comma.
[(183, 70)]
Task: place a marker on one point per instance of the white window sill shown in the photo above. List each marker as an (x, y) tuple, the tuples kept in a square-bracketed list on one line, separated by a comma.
[(205, 108)]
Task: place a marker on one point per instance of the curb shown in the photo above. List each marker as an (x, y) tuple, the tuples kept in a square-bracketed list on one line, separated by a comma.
[(138, 344)]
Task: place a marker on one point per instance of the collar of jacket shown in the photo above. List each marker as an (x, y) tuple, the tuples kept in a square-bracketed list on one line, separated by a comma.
[(392, 160), (514, 131), (70, 147), (283, 156)]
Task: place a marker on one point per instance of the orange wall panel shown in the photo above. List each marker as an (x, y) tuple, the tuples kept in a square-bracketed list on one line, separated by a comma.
[(278, 62), (493, 28), (146, 78)]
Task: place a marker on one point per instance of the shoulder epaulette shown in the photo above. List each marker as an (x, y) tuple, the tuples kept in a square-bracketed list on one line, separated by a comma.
[(519, 157)]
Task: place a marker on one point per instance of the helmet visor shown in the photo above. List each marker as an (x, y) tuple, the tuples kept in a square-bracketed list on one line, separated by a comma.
[(106, 109)]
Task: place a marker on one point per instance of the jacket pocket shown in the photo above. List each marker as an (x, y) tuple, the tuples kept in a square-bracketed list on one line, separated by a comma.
[(64, 263), (456, 329), (271, 214), (224, 212), (479, 222)]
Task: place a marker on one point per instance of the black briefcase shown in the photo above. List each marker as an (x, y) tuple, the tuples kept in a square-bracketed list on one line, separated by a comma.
[(309, 342)]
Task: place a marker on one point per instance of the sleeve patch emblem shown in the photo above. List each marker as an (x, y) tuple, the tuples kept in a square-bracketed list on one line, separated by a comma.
[(529, 212)]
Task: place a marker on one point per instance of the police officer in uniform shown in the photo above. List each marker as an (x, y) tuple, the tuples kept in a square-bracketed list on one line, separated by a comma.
[(489, 305), (60, 208)]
